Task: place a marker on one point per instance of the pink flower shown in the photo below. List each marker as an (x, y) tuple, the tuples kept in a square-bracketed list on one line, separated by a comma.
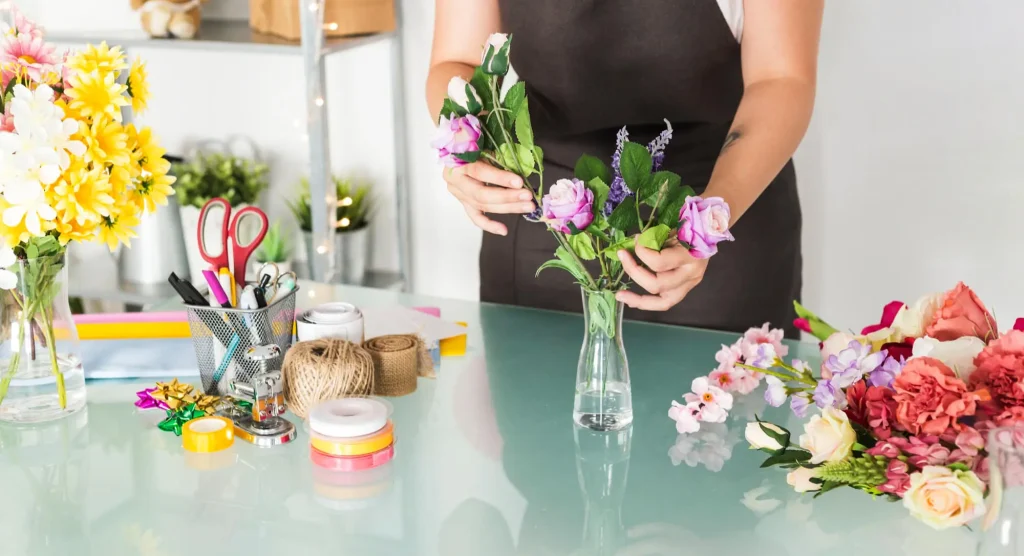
[(731, 379), (687, 417), (764, 335), (728, 356), (897, 479), (885, 449), (7, 120), (22, 25), (981, 469), (714, 403), (802, 324), (930, 398), (1018, 324), (962, 314), (970, 441), (703, 224), (568, 200), (457, 135), (27, 54), (1000, 369), (1009, 416), (888, 316), (923, 450)]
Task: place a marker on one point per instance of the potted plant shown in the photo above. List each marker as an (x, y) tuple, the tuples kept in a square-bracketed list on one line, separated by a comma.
[(238, 180), (276, 249), (352, 227)]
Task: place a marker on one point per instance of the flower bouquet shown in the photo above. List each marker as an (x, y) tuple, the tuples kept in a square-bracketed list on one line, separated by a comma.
[(593, 216), (69, 171), (900, 410)]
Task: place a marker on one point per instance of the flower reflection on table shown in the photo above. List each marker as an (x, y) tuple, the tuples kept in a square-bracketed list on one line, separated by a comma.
[(711, 447)]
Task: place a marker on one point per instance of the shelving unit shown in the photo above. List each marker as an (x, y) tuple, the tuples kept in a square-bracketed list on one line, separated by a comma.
[(314, 47)]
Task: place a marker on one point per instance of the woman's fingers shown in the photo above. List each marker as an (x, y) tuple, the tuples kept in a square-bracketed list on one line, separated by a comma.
[(487, 198), (645, 278), (670, 257), (661, 302), (484, 223), (486, 173), (517, 207)]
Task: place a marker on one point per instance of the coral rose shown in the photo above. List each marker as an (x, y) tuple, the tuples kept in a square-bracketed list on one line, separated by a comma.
[(1000, 369), (930, 398), (962, 314)]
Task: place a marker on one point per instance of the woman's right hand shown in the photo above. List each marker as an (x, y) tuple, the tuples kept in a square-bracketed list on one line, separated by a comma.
[(482, 188)]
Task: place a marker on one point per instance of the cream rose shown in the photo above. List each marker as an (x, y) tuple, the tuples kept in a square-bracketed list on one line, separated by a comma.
[(943, 498), (910, 322), (759, 439), (800, 479), (464, 95), (957, 354), (828, 436)]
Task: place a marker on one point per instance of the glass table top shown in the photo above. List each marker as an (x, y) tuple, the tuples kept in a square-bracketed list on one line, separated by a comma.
[(488, 462)]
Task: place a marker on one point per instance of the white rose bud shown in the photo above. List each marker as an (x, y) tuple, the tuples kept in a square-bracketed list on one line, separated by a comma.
[(494, 59), (828, 436), (464, 95), (759, 439), (957, 354), (800, 479)]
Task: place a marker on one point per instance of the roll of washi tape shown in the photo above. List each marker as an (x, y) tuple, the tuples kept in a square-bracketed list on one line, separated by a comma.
[(211, 461), (208, 434), (380, 474), (357, 446), (363, 492), (359, 463), (348, 417)]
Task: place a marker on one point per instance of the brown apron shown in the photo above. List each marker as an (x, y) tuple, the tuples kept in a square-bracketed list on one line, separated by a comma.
[(592, 66)]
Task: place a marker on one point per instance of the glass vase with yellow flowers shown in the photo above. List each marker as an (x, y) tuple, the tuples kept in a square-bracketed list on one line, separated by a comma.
[(70, 170)]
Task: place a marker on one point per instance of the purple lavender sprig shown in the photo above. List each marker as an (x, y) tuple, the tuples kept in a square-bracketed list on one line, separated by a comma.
[(618, 190), (657, 146)]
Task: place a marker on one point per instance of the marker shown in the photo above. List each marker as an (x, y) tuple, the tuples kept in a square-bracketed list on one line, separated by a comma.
[(216, 289), (248, 298), (227, 284)]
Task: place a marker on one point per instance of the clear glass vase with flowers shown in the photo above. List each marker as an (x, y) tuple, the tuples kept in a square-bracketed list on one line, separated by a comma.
[(70, 170), (599, 212)]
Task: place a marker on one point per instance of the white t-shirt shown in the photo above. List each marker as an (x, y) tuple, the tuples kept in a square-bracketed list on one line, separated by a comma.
[(732, 10)]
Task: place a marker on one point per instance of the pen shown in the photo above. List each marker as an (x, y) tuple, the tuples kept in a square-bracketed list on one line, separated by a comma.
[(232, 348), (227, 283), (216, 289), (248, 298)]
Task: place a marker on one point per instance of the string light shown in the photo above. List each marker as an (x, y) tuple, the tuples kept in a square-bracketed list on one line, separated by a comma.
[(344, 223), (331, 26), (346, 202)]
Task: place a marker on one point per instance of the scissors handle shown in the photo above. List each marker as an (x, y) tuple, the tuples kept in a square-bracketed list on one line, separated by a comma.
[(217, 259), (240, 252)]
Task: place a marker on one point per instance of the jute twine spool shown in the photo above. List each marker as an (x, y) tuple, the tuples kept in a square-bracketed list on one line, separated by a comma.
[(397, 361), (325, 369)]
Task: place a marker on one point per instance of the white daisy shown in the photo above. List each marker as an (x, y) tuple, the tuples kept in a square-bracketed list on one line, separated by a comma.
[(8, 279)]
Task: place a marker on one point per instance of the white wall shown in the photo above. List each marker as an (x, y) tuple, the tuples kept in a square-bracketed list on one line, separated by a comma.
[(909, 175)]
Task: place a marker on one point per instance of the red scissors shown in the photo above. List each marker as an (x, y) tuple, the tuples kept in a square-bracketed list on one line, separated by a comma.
[(229, 229)]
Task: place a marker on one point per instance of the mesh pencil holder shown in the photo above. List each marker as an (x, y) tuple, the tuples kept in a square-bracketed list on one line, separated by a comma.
[(222, 337)]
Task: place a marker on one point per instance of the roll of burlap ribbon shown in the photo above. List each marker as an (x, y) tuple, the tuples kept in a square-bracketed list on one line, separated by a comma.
[(325, 369), (397, 361)]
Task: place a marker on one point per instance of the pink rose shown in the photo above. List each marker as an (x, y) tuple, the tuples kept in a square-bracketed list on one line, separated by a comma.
[(1000, 369), (456, 136), (703, 224), (930, 398), (962, 314), (568, 201)]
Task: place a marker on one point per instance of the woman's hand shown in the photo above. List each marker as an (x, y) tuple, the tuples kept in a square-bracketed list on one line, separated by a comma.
[(505, 195), (673, 273)]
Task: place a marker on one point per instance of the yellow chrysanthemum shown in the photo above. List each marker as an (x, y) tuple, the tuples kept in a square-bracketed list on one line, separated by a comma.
[(138, 87), (98, 58), (106, 143), (120, 181), (82, 195), (95, 95), (149, 153), (73, 231), (152, 190), (68, 112), (119, 227)]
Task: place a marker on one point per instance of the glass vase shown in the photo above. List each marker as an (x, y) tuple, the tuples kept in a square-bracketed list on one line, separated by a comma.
[(603, 398), (1002, 528), (41, 375), (602, 467)]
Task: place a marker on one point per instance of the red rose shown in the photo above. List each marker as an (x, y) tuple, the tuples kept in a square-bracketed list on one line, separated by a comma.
[(881, 410), (1001, 369), (930, 398), (962, 314), (896, 350)]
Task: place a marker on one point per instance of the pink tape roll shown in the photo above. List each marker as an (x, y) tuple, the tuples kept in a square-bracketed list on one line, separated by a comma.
[(358, 463), (380, 474)]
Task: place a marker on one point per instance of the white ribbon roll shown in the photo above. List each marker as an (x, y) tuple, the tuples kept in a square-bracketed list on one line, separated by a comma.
[(331, 320), (348, 417)]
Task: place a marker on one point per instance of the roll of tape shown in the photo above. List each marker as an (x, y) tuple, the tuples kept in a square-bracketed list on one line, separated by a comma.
[(363, 492), (348, 417), (208, 434), (210, 462), (380, 474), (343, 321), (359, 463), (358, 446)]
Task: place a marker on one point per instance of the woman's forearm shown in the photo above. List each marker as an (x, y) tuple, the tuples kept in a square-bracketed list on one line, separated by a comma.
[(437, 83), (770, 122)]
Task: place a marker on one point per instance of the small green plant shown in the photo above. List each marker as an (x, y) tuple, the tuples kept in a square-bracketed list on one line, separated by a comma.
[(237, 180), (354, 205), (275, 247)]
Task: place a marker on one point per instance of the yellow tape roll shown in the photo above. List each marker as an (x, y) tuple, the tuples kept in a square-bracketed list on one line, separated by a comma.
[(208, 434), (357, 446)]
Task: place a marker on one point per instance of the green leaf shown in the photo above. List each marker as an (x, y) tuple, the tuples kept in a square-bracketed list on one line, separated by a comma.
[(7, 93), (653, 186), (583, 246), (524, 162), (788, 456), (524, 129), (538, 156), (668, 213), (612, 251), (782, 438), (473, 105), (566, 262), (624, 217), (471, 156), (493, 124), (827, 486), (481, 82), (635, 164), (959, 467), (600, 190), (655, 236), (448, 107), (589, 168), (602, 311), (597, 233), (515, 97)]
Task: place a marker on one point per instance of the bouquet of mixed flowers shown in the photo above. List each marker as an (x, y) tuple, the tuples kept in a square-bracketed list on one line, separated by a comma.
[(900, 410), (598, 212), (69, 169)]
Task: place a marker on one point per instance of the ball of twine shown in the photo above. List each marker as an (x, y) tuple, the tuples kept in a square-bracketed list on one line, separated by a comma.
[(396, 362), (325, 369)]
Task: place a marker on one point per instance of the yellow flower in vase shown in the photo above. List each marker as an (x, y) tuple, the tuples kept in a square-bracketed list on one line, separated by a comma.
[(120, 179), (12, 235), (152, 190), (97, 58), (83, 195), (119, 227), (106, 143), (138, 87), (72, 230), (147, 151), (96, 94)]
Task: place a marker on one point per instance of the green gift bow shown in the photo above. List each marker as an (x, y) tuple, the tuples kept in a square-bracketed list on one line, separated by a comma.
[(176, 418)]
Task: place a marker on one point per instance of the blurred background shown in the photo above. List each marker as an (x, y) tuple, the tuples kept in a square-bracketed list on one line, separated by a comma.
[(910, 174)]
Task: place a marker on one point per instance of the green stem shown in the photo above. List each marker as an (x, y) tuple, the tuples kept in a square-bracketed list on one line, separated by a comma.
[(48, 334), (12, 368), (565, 244), (777, 374)]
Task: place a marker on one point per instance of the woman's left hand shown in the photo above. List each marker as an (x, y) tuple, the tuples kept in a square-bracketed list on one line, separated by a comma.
[(673, 273)]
